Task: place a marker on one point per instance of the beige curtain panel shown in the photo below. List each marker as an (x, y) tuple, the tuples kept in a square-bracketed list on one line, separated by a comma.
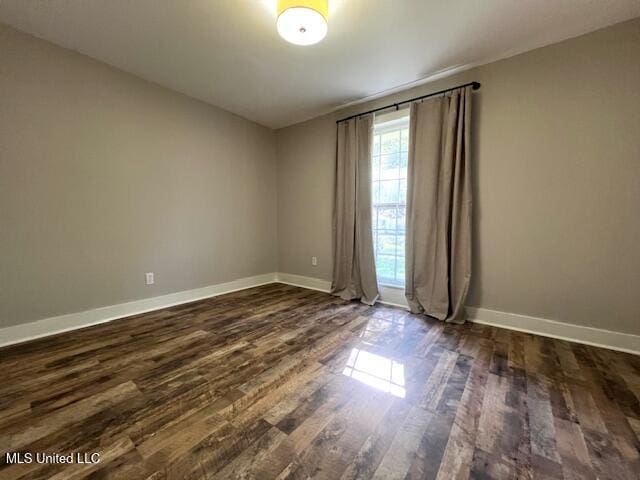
[(354, 271), (438, 255)]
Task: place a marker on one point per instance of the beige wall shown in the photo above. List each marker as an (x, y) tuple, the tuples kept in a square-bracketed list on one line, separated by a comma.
[(104, 177), (557, 182)]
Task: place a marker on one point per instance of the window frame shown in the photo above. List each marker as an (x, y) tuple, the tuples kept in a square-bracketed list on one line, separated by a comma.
[(386, 123)]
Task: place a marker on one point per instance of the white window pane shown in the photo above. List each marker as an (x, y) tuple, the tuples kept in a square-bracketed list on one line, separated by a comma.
[(386, 244), (400, 270), (404, 143), (385, 267), (389, 191), (387, 219), (402, 192), (400, 241), (389, 164), (389, 199), (390, 142), (404, 160), (402, 219), (375, 192)]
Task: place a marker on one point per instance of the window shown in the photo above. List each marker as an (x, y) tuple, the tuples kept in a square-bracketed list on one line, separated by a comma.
[(389, 192)]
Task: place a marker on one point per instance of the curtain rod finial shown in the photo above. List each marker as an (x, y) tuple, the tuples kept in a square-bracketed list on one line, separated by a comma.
[(476, 85)]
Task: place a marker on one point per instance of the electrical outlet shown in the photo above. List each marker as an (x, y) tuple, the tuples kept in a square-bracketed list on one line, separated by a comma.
[(149, 278), (314, 261)]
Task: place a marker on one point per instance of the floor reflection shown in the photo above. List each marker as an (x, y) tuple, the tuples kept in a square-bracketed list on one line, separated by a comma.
[(383, 332), (376, 371)]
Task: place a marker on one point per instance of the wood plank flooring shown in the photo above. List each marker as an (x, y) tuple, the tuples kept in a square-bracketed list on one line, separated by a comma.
[(285, 383)]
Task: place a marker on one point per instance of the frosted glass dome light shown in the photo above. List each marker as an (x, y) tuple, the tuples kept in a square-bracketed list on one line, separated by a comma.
[(302, 22)]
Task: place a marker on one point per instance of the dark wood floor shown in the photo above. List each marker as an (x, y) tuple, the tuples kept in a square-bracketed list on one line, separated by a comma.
[(281, 382)]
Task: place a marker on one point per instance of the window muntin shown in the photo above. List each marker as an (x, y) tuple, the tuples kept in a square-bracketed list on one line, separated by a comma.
[(389, 197)]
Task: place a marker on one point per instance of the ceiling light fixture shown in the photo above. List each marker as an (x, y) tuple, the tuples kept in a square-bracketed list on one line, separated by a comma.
[(302, 22)]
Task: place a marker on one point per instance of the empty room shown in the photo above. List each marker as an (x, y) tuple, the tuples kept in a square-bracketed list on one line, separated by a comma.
[(319, 239)]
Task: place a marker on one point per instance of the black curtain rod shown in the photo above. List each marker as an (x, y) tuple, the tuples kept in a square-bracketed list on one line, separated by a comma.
[(475, 85)]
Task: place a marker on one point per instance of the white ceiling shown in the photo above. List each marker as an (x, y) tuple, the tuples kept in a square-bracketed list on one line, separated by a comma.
[(227, 52)]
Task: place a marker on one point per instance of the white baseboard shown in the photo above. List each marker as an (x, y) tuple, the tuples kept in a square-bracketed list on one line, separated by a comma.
[(304, 282), (73, 321), (623, 342), (388, 295)]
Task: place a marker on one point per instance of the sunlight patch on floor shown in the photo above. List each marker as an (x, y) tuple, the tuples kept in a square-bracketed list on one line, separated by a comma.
[(379, 372)]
